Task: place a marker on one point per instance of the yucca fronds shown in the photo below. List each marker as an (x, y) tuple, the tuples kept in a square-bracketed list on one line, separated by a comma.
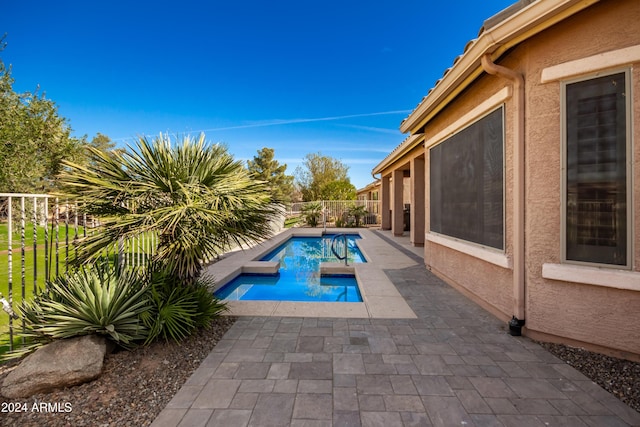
[(358, 212), (92, 300), (176, 312), (194, 196), (312, 213)]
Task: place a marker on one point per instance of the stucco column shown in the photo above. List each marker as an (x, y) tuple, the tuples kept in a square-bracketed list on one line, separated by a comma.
[(385, 202), (417, 201), (397, 220)]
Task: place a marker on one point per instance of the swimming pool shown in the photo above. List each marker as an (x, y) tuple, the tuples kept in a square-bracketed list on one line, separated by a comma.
[(299, 278)]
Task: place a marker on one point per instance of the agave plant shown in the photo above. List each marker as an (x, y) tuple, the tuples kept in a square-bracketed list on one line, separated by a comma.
[(193, 196), (90, 300)]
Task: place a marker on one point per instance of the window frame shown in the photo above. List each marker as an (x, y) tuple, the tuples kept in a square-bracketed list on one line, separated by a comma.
[(501, 106), (628, 164)]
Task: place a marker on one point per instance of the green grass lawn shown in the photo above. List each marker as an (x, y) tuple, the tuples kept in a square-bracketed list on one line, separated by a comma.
[(293, 221), (34, 262), (34, 268), (40, 232), (34, 278)]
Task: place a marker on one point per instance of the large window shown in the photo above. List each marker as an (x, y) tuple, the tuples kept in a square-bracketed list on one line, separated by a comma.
[(596, 194), (467, 183)]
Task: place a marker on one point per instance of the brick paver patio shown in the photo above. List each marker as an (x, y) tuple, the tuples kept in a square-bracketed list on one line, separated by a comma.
[(454, 365)]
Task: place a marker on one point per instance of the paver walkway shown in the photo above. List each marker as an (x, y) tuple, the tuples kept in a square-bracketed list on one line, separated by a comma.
[(454, 365)]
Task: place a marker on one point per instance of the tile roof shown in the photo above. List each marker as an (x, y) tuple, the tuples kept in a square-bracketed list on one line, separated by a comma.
[(487, 25)]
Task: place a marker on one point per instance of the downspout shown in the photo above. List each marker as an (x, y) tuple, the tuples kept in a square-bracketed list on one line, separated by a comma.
[(518, 319)]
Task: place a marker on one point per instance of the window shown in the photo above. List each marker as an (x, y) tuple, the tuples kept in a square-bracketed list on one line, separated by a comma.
[(595, 183), (467, 183)]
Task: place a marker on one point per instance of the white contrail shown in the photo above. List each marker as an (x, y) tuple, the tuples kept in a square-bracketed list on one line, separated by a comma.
[(294, 121), (278, 122)]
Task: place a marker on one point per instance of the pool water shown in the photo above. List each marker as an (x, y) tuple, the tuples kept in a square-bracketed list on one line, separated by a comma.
[(299, 276)]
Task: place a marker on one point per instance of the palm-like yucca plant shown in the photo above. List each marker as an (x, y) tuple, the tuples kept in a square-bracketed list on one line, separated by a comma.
[(177, 311), (193, 195), (358, 212), (312, 213)]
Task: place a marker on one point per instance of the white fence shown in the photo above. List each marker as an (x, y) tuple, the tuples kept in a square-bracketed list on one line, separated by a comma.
[(337, 213), (38, 234)]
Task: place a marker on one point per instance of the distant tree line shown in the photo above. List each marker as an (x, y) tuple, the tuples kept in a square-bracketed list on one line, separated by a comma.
[(318, 178)]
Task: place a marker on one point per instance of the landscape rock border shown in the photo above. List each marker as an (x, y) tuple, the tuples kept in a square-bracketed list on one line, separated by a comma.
[(59, 364), (132, 390)]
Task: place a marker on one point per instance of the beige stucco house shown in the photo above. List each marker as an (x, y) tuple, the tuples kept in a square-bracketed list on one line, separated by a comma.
[(370, 192), (523, 163)]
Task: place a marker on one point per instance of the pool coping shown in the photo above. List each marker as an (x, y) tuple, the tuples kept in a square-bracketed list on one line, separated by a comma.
[(380, 297)]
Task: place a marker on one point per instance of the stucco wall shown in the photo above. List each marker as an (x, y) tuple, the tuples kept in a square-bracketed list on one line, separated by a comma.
[(593, 314), (577, 313), (487, 283)]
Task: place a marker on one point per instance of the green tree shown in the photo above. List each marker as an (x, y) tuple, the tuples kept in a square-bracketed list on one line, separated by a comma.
[(318, 172), (338, 190), (265, 168), (34, 139), (100, 142), (193, 196)]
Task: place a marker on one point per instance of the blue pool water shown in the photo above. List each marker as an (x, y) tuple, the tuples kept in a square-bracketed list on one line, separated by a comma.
[(299, 276)]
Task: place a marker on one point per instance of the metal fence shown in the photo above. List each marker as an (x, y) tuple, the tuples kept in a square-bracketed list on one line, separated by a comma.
[(39, 234), (38, 237), (338, 213)]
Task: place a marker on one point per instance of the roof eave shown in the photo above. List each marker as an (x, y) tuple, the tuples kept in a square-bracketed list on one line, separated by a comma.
[(528, 21), (406, 146)]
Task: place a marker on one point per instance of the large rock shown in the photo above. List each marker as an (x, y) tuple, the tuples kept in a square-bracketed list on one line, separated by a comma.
[(62, 363)]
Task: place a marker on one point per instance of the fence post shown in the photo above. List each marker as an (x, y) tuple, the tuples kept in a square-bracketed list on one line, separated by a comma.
[(35, 245), (10, 262), (57, 236), (23, 254), (46, 239), (324, 217)]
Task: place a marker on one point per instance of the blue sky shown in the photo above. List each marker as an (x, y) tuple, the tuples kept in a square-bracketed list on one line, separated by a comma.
[(299, 76)]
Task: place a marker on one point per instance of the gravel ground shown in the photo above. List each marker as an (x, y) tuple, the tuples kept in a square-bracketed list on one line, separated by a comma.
[(618, 376), (134, 387), (137, 385)]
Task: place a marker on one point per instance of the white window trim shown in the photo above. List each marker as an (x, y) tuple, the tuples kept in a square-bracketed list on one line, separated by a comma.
[(591, 64), (484, 253), (606, 277), (481, 110), (563, 172)]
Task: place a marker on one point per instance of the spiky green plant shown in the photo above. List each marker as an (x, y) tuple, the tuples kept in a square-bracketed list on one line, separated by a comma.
[(91, 300), (176, 312), (312, 213), (357, 212), (193, 195), (209, 306)]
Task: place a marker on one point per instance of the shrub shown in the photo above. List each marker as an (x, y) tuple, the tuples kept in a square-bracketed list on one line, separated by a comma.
[(93, 299), (209, 306), (357, 212), (177, 311), (312, 213)]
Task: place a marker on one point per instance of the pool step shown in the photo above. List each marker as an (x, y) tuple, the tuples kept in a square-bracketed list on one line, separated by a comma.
[(261, 267), (332, 268)]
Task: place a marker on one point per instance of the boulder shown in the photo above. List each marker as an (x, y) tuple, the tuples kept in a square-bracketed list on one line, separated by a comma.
[(60, 364)]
